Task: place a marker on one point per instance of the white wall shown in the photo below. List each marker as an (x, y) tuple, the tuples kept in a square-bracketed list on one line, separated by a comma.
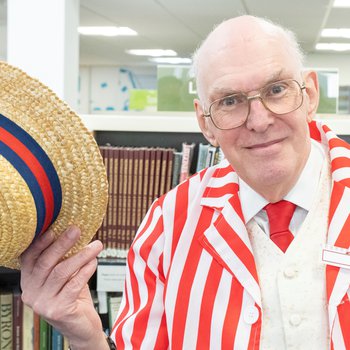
[(3, 29), (340, 61)]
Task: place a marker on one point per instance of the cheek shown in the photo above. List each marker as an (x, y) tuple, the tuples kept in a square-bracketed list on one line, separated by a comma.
[(229, 143)]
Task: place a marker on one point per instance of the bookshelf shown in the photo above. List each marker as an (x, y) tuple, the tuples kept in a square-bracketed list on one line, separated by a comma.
[(178, 122)]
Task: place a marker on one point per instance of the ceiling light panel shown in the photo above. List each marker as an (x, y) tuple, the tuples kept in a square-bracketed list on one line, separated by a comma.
[(341, 3), (106, 31), (336, 33), (333, 47), (152, 52)]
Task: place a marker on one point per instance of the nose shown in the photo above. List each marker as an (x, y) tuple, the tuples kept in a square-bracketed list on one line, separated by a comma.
[(259, 117)]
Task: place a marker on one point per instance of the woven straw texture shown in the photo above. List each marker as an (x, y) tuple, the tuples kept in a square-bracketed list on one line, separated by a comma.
[(74, 154)]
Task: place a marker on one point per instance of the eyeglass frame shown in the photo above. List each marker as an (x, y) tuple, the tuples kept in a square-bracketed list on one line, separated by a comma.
[(254, 97)]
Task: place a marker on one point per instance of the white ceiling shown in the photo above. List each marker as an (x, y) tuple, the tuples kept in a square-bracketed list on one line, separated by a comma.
[(182, 24)]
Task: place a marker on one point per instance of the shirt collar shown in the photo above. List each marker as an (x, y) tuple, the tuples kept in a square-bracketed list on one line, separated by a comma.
[(301, 194)]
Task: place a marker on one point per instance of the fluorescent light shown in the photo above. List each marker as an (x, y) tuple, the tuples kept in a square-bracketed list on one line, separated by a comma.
[(341, 3), (333, 46), (336, 33), (152, 52), (171, 60), (106, 31)]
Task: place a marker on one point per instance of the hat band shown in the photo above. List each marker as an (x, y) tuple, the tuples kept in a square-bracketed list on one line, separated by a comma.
[(35, 167)]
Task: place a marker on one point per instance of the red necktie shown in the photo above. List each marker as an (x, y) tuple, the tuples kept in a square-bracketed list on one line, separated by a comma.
[(280, 214)]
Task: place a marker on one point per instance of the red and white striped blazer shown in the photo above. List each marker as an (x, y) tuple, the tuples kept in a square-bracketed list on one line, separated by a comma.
[(191, 278)]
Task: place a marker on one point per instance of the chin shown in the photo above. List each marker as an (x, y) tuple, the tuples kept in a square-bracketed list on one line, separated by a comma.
[(272, 176)]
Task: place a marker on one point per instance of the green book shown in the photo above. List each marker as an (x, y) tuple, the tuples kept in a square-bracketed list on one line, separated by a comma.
[(44, 335)]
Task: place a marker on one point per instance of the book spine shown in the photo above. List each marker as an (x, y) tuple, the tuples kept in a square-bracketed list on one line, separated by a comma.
[(211, 156), (157, 173), (17, 320), (141, 179), (202, 156), (44, 335), (176, 169), (145, 182), (36, 331), (28, 328), (187, 153), (169, 169), (6, 340), (129, 199), (56, 339)]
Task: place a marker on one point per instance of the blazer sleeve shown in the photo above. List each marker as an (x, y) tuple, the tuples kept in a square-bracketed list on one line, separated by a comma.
[(141, 320)]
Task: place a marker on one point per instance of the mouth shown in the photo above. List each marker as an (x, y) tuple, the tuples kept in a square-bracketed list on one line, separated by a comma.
[(265, 144)]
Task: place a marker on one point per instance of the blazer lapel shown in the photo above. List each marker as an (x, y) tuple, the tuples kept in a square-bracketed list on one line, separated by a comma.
[(226, 239)]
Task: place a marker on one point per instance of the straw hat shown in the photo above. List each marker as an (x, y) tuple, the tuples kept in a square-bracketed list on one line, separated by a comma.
[(51, 170)]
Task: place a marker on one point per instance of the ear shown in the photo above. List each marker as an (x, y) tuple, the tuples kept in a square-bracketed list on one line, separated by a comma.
[(312, 93), (205, 124)]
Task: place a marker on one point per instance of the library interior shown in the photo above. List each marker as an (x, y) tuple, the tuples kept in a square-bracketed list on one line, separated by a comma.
[(124, 67)]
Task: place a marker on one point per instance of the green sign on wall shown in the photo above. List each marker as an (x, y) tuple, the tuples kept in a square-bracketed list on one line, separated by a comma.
[(176, 89)]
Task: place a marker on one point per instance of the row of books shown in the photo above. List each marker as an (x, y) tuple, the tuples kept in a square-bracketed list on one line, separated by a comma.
[(139, 175), (22, 329)]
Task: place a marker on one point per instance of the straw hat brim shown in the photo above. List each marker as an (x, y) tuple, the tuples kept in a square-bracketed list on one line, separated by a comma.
[(75, 158)]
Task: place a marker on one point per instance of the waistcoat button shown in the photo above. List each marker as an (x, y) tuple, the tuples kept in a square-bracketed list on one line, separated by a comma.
[(295, 320)]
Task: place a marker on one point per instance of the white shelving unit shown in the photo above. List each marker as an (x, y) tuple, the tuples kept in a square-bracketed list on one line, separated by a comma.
[(178, 122)]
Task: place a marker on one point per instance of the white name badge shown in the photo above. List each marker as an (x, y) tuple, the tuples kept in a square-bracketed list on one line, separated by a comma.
[(336, 256)]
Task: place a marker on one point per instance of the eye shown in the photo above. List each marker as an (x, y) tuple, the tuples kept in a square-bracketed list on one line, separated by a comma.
[(277, 89), (232, 100)]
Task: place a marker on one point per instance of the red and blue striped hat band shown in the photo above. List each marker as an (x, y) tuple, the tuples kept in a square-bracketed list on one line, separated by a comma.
[(36, 168)]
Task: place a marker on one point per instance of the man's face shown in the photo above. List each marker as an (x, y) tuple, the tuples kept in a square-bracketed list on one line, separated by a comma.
[(268, 151)]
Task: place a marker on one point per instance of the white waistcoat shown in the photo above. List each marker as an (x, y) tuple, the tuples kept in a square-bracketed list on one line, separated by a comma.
[(293, 287)]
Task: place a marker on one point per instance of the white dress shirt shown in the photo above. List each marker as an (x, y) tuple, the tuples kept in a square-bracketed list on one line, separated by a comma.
[(302, 194)]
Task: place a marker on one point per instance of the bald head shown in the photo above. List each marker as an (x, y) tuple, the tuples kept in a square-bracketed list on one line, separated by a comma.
[(234, 35)]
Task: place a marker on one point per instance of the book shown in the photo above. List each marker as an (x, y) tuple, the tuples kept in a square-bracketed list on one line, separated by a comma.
[(157, 172), (211, 156), (17, 315), (28, 328), (65, 343), (44, 340), (56, 339), (176, 168), (114, 301), (36, 331), (140, 181), (169, 169), (6, 338), (202, 156), (187, 154)]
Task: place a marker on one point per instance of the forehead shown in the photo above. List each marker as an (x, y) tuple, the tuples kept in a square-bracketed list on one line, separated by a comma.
[(245, 63)]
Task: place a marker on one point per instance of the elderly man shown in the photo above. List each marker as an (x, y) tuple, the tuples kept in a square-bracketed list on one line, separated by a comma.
[(232, 257)]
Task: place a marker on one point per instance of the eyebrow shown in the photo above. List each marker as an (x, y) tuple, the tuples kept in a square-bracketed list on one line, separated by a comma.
[(217, 92)]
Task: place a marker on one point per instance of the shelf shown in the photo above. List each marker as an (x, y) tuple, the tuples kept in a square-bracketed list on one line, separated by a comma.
[(182, 122), (147, 122)]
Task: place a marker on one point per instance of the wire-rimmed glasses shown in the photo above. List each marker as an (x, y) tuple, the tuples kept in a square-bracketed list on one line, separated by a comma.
[(280, 97)]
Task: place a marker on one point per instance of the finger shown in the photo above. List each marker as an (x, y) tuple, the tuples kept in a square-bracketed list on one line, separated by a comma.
[(69, 268), (53, 254), (31, 254), (74, 286)]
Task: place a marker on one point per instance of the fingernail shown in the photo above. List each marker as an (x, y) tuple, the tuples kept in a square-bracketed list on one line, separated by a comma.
[(95, 244)]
